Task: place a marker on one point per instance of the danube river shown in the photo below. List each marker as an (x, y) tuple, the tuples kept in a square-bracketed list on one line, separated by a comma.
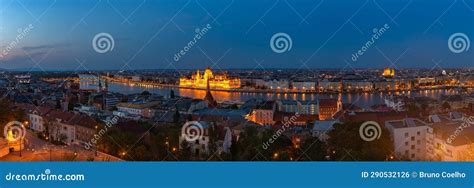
[(360, 99)]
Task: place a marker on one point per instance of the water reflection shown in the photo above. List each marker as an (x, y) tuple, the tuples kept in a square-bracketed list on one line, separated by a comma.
[(360, 99)]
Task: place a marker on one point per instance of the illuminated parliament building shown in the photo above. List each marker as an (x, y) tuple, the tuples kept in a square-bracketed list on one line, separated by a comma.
[(216, 81)]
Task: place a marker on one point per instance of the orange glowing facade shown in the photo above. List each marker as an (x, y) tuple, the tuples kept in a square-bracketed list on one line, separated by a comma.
[(216, 81), (388, 73)]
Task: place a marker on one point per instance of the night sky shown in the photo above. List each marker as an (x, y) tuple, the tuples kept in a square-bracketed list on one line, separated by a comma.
[(148, 34)]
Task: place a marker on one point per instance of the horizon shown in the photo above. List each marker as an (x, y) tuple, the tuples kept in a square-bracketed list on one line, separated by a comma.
[(236, 69)]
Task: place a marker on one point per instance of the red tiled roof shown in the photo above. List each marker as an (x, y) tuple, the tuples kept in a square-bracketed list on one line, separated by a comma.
[(82, 120), (29, 108), (57, 114), (327, 102), (281, 117), (379, 117)]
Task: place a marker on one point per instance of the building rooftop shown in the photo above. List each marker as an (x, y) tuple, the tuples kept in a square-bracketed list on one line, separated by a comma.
[(60, 115), (407, 122), (327, 102), (379, 117), (324, 125), (446, 129), (82, 120), (268, 105), (138, 104)]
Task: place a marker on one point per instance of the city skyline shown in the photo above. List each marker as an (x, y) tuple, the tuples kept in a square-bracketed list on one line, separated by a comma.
[(363, 90), (62, 32)]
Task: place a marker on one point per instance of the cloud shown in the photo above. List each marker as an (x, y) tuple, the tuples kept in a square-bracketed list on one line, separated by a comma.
[(42, 47)]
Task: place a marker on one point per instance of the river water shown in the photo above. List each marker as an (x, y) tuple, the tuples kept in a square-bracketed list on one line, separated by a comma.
[(360, 99)]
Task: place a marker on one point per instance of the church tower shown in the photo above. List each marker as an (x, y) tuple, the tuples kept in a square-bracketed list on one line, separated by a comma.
[(339, 97), (211, 103)]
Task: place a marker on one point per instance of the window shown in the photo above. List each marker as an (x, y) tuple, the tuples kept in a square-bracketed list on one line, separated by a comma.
[(412, 146), (406, 135), (418, 133), (406, 143), (412, 138)]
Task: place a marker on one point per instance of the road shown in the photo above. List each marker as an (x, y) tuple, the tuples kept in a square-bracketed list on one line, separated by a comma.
[(40, 150)]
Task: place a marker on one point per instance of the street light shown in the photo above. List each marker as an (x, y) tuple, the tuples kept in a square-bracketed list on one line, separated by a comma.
[(20, 145), (21, 139), (95, 144)]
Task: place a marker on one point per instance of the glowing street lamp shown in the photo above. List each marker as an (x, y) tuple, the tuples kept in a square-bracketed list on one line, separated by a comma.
[(275, 155)]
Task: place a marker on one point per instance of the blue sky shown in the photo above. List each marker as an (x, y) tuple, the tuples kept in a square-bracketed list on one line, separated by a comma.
[(147, 34)]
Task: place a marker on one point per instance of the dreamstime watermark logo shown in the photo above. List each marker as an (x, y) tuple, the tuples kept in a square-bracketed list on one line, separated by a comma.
[(192, 131), (467, 122), (286, 123), (370, 131), (281, 42), (198, 36), (458, 43), (103, 43), (376, 36), (14, 131), (44, 176), (21, 34)]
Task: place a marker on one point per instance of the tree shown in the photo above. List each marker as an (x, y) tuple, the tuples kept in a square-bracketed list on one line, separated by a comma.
[(172, 95), (312, 149), (63, 138), (446, 106), (185, 153), (145, 93), (176, 117), (54, 130), (58, 104), (248, 143), (309, 125), (234, 150), (140, 153), (279, 143), (345, 143), (424, 107), (411, 107), (213, 137)]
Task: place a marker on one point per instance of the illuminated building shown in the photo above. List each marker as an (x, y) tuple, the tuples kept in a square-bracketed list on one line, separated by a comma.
[(92, 83), (448, 146), (329, 107), (216, 81), (411, 138), (388, 73), (300, 107), (4, 149), (263, 114)]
